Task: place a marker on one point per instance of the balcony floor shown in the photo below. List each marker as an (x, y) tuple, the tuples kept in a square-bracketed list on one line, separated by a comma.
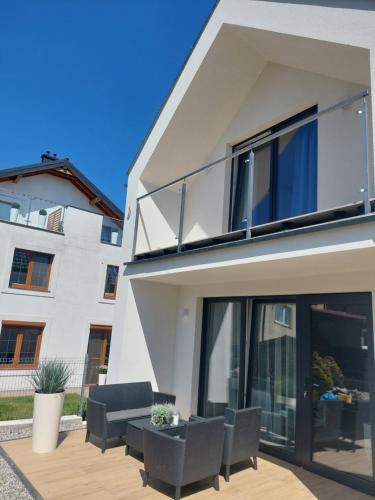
[(79, 470)]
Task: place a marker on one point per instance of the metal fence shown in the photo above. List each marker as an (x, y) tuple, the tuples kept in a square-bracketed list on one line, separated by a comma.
[(16, 381)]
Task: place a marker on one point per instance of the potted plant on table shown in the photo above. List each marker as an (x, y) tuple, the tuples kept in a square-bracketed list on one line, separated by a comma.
[(102, 374), (49, 382), (162, 414)]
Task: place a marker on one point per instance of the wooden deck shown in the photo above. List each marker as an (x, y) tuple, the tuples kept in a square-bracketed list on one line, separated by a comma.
[(79, 470)]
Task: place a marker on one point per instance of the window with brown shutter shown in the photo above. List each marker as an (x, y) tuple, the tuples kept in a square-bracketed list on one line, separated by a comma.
[(54, 221)]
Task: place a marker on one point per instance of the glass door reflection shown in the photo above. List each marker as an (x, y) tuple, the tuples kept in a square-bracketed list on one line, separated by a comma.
[(222, 357), (273, 372), (340, 394)]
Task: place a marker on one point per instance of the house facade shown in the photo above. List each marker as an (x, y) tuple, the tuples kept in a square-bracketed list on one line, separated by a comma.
[(59, 262), (250, 254)]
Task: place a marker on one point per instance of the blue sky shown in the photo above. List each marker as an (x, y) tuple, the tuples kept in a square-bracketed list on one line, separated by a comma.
[(85, 78)]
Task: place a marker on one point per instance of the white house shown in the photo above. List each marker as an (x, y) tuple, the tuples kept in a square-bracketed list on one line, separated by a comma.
[(250, 249), (59, 262)]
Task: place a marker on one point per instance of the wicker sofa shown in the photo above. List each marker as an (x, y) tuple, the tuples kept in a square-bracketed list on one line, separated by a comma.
[(110, 407)]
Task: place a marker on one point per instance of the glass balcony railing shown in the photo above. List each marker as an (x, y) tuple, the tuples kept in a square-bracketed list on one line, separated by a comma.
[(51, 216), (311, 169), (31, 211)]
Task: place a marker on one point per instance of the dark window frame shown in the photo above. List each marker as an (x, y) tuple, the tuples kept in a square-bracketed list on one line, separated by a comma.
[(30, 268), (273, 164)]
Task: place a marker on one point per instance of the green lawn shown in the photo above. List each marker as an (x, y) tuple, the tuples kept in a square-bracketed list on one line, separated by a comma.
[(17, 407)]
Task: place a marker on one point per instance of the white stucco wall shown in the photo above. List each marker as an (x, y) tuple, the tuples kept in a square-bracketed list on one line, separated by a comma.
[(333, 56)]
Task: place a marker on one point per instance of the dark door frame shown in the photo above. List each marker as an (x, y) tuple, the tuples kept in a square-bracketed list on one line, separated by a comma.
[(305, 401), (303, 438), (277, 299)]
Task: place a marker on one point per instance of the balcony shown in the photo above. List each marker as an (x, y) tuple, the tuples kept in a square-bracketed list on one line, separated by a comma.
[(323, 176), (38, 213)]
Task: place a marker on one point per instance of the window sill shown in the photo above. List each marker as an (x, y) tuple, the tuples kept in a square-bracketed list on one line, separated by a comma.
[(107, 301), (118, 245), (18, 368), (30, 293)]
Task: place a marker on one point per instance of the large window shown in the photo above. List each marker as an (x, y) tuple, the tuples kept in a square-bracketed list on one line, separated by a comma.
[(110, 286), (30, 270), (284, 182), (20, 344)]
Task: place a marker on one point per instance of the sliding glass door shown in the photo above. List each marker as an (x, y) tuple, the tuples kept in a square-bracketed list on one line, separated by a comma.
[(272, 372), (308, 362), (339, 395), (223, 356)]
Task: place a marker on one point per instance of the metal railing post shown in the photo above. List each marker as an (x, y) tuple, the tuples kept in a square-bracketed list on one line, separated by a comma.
[(182, 210), (249, 221), (135, 230), (81, 397), (29, 211), (363, 112)]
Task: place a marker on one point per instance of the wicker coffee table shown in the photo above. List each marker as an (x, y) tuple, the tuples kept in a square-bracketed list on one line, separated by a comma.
[(134, 432)]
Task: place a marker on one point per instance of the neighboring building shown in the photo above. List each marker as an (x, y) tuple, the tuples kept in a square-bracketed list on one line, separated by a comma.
[(59, 262), (253, 283)]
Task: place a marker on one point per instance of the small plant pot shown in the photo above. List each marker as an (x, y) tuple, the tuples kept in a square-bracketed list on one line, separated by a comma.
[(102, 378), (14, 211), (47, 413), (114, 237)]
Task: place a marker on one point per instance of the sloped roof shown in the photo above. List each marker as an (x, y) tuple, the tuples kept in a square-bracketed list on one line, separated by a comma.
[(66, 170)]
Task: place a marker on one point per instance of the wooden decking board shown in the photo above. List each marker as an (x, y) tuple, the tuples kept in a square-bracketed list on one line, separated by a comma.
[(79, 470)]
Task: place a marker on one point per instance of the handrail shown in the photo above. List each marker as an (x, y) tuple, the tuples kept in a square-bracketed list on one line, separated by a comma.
[(257, 143)]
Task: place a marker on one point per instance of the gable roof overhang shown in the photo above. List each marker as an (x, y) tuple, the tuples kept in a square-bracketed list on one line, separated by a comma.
[(240, 38), (66, 170)]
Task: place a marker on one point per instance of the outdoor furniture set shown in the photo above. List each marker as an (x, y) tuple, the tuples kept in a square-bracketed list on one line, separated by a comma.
[(175, 454)]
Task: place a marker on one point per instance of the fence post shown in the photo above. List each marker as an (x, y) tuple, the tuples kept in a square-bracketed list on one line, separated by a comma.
[(82, 386)]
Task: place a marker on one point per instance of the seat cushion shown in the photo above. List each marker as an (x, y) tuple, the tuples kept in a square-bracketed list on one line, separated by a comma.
[(113, 416)]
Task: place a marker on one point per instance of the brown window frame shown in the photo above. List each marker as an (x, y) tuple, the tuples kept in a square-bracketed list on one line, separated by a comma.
[(23, 325), (108, 295), (30, 269)]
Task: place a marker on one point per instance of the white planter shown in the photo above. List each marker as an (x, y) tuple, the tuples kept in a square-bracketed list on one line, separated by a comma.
[(114, 237), (102, 377), (42, 221), (14, 214), (47, 413)]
